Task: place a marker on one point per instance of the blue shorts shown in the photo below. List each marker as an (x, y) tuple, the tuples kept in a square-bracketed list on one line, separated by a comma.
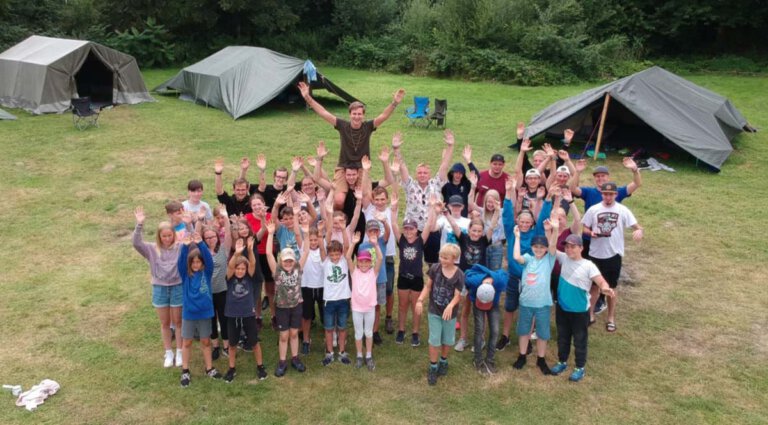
[(167, 296), (335, 314), (390, 265), (512, 300), (525, 320), (441, 332)]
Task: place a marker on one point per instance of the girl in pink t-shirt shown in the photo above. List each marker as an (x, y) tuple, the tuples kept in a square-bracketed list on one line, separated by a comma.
[(364, 296)]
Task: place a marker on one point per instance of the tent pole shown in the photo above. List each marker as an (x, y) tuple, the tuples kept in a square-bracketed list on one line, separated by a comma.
[(602, 124)]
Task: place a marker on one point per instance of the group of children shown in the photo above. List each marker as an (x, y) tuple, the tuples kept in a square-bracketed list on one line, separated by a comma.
[(336, 239)]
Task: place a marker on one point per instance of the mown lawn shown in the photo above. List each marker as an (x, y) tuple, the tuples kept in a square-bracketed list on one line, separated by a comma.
[(75, 307)]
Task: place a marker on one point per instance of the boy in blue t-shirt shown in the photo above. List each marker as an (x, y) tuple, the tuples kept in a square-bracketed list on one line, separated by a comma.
[(535, 296)]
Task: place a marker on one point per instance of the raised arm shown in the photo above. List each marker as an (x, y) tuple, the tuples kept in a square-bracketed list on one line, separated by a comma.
[(365, 178), (524, 148), (472, 177), (233, 261), (573, 183), (305, 253), (574, 211), (516, 251), (218, 168), (397, 142), (270, 246), (261, 164), (393, 204), (296, 164), (350, 251), (358, 206), (445, 162), (389, 178), (138, 240), (552, 227), (494, 221), (318, 177), (387, 112), (312, 103), (245, 163), (637, 179), (181, 263), (251, 256), (379, 258), (435, 207), (226, 244)]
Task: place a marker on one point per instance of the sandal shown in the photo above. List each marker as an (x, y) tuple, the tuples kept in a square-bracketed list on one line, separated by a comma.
[(610, 327)]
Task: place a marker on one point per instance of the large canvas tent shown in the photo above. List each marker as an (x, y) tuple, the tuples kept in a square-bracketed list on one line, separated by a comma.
[(240, 79), (695, 119), (42, 74)]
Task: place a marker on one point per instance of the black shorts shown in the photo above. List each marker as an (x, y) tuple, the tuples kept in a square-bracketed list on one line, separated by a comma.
[(610, 268), (288, 318), (415, 283), (247, 325), (310, 297)]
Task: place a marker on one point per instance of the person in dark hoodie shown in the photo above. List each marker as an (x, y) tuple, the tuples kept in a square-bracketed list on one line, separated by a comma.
[(458, 183)]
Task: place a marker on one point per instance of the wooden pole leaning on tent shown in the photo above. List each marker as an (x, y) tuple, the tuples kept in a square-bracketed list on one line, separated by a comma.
[(602, 125)]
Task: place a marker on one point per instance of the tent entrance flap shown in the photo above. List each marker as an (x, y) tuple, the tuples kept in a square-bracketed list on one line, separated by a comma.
[(94, 79)]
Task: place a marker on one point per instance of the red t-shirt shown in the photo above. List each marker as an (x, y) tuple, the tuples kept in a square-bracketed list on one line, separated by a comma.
[(485, 183), (255, 227)]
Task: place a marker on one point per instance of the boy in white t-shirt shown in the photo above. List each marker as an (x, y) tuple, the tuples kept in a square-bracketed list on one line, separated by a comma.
[(311, 283), (336, 294), (573, 304)]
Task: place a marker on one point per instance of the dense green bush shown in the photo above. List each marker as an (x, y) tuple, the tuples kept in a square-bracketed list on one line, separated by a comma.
[(150, 45)]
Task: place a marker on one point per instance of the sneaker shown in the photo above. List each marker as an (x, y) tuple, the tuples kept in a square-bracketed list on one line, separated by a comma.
[(415, 341), (481, 347), (335, 339), (377, 339), (480, 366), (225, 351), (502, 343), (370, 363), (543, 367), (431, 375), (359, 362), (490, 366), (344, 358), (282, 366), (389, 325), (400, 338), (298, 365), (461, 345), (213, 373), (178, 360), (442, 367), (559, 368), (577, 374), (328, 359), (520, 362), (305, 348), (600, 306), (168, 359), (230, 376), (261, 372), (215, 353), (185, 379)]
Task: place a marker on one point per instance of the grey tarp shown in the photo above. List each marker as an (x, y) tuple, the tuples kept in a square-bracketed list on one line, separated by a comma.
[(697, 120), (42, 74), (6, 116), (240, 79)]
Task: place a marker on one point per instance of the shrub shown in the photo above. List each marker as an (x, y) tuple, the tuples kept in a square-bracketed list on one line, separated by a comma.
[(151, 46)]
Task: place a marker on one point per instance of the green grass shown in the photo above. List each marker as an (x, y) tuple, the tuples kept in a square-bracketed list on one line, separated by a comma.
[(691, 345)]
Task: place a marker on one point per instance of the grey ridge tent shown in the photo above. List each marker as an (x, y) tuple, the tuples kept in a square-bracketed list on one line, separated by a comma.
[(42, 74), (695, 119), (240, 79), (6, 116)]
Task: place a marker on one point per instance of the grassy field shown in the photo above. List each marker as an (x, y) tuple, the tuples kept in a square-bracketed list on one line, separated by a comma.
[(693, 329)]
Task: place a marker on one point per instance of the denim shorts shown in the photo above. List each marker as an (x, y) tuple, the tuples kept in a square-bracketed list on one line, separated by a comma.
[(525, 320), (441, 332), (512, 300), (167, 296), (494, 255), (335, 314)]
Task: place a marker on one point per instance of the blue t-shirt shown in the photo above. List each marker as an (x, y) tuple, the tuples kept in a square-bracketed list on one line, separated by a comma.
[(287, 239), (534, 284), (240, 302)]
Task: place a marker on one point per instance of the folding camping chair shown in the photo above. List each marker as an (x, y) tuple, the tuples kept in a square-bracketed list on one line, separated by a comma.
[(438, 115), (419, 112), (83, 114)]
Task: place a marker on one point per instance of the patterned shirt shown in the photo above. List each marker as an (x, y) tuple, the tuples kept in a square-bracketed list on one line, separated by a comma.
[(417, 198), (287, 288)]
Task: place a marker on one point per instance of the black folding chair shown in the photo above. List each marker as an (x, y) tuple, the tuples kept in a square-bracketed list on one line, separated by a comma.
[(438, 115), (83, 114)]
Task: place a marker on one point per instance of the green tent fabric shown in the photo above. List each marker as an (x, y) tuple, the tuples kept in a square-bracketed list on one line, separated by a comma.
[(42, 74), (6, 116), (240, 79), (697, 120)]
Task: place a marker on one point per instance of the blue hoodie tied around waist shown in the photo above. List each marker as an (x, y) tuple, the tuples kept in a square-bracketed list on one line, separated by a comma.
[(474, 277)]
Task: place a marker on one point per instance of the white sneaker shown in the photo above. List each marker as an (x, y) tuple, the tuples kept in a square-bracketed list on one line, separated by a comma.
[(178, 358), (168, 358), (461, 345)]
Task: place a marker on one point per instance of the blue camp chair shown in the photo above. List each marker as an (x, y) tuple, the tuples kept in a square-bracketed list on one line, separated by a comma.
[(418, 114)]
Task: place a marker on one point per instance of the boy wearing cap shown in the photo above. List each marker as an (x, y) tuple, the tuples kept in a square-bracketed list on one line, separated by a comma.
[(535, 297), (485, 287), (447, 235), (604, 223), (492, 178), (573, 303)]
